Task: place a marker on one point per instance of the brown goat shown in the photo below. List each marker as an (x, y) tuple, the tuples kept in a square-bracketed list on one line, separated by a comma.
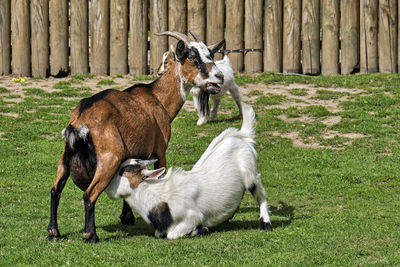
[(113, 125)]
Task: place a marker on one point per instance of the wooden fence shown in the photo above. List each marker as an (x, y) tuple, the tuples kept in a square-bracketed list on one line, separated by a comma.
[(59, 37)]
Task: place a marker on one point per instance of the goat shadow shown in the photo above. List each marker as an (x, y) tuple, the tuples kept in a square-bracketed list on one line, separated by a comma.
[(282, 210), (142, 229), (231, 119)]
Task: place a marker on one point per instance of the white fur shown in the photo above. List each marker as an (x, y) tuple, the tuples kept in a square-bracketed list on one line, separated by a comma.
[(208, 194), (229, 85)]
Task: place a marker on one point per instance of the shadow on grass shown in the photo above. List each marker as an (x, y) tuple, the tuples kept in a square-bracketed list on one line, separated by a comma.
[(232, 119), (282, 210), (142, 229)]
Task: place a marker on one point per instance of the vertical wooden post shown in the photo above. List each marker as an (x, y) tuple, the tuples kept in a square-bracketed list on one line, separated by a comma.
[(368, 36), (40, 37), (291, 36), (234, 31), (330, 37), (215, 23), (119, 37), (5, 37), (310, 37), (58, 37), (387, 37), (350, 33), (138, 37), (177, 19), (158, 23), (100, 37), (253, 36), (20, 38), (197, 17), (273, 36), (79, 36)]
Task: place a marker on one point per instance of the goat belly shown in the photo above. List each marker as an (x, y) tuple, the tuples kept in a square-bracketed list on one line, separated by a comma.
[(81, 170)]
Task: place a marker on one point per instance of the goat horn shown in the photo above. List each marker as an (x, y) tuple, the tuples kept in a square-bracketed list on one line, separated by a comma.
[(195, 36), (177, 35), (144, 163)]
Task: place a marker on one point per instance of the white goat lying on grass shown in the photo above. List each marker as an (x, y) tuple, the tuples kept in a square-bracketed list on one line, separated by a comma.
[(187, 202), (201, 99)]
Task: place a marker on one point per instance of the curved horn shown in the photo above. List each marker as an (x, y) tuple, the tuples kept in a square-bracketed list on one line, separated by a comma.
[(177, 35), (195, 36)]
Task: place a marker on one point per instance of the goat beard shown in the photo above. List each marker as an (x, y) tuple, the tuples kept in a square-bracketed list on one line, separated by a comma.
[(204, 98)]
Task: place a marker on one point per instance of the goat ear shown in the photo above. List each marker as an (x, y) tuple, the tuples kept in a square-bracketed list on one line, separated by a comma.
[(153, 174), (181, 50), (214, 48)]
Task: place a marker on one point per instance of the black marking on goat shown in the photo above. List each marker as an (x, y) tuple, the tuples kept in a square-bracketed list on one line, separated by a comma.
[(81, 161), (160, 217), (195, 55), (86, 103), (204, 103), (129, 168), (201, 230), (252, 189)]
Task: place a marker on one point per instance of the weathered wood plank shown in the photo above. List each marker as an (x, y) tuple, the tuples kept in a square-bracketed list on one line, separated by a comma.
[(20, 38), (59, 37), (253, 35), (79, 36), (311, 37), (40, 37), (234, 31), (5, 37), (138, 37), (158, 23), (196, 17), (291, 36), (387, 37), (177, 18), (273, 36), (330, 37), (119, 37), (368, 36), (215, 23), (100, 37), (350, 34)]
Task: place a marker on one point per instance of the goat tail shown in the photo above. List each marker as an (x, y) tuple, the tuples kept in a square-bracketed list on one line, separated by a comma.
[(73, 136), (249, 119)]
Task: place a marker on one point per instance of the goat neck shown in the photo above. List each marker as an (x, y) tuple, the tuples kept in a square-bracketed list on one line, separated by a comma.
[(170, 89)]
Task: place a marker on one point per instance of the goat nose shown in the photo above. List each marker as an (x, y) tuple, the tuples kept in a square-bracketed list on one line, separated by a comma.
[(220, 76)]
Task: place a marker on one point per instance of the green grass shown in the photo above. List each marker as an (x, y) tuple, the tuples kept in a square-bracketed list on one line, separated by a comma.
[(106, 82), (336, 205)]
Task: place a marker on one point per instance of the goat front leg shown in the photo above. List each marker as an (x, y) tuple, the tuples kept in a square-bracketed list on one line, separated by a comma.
[(106, 168), (187, 227), (55, 195), (127, 217)]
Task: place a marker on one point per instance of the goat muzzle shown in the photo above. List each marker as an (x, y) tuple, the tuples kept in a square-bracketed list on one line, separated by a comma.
[(212, 88)]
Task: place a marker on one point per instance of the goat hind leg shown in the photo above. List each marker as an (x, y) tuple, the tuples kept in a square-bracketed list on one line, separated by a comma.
[(258, 192), (55, 195), (105, 171)]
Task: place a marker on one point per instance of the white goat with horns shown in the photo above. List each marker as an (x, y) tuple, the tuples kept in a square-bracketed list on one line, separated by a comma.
[(185, 203)]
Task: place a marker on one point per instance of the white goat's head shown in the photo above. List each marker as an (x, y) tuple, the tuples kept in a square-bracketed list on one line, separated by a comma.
[(197, 61)]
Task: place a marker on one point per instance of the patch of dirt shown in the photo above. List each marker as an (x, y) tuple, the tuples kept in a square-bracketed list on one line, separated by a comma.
[(265, 89)]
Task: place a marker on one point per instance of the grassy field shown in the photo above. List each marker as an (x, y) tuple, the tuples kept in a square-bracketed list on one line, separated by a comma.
[(329, 150)]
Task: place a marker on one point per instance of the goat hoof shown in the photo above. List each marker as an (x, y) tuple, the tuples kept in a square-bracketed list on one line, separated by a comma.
[(53, 233), (90, 238), (265, 225), (127, 218)]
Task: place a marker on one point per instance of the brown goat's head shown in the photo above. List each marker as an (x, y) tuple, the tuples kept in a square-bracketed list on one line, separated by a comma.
[(197, 62)]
